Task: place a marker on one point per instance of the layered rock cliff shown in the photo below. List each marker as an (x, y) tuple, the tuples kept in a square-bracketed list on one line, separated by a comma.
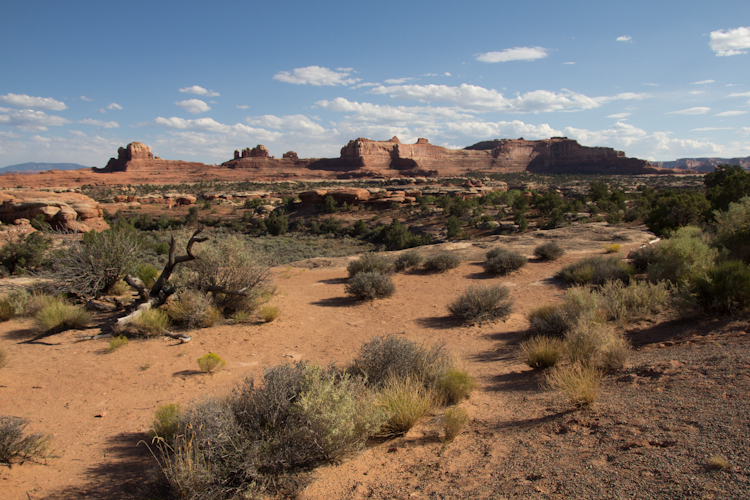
[(137, 156)]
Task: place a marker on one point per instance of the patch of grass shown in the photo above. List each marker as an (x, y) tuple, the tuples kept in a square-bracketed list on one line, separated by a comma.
[(16, 445), (144, 367), (240, 316), (193, 309), (407, 260), (406, 400), (7, 310), (370, 263), (614, 248), (269, 313), (454, 422), (211, 363), (455, 385), (595, 270), (150, 323), (36, 302), (441, 262), (580, 384), (480, 304), (117, 342), (119, 289), (166, 422), (549, 251), (620, 302), (503, 261), (370, 286), (58, 316), (549, 321), (597, 345), (541, 352)]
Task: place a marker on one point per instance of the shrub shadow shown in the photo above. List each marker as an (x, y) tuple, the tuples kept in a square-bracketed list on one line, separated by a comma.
[(187, 373), (335, 302), (123, 473), (335, 281), (439, 322)]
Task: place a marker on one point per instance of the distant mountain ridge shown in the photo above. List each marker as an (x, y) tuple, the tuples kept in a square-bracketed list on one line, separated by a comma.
[(703, 164), (33, 168)]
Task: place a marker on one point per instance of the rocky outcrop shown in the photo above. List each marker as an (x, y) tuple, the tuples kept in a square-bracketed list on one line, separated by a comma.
[(69, 211), (703, 164), (138, 157)]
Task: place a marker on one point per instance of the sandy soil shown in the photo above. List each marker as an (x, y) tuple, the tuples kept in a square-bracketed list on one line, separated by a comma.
[(647, 437)]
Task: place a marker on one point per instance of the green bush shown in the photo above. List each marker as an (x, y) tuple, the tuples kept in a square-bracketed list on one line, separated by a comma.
[(503, 261), (726, 185), (441, 262), (16, 445), (7, 310), (634, 301), (455, 385), (407, 260), (150, 323), (370, 263), (211, 363), (733, 229), (597, 345), (370, 286), (541, 351), (269, 313), (549, 321), (116, 342), (725, 288), (453, 227), (580, 384), (595, 270), (192, 309), (684, 256), (405, 400), (671, 210), (166, 422), (643, 257), (58, 316), (26, 252), (454, 421), (277, 223), (482, 304), (147, 273), (549, 251)]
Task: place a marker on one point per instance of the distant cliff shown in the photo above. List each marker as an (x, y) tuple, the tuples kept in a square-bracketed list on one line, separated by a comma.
[(703, 164)]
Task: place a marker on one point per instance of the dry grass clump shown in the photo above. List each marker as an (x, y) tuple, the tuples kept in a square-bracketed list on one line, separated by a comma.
[(549, 321), (370, 286), (37, 301), (581, 384), (406, 400), (16, 445), (116, 342), (166, 422), (455, 385), (441, 262), (595, 270), (13, 304), (269, 313), (193, 309), (598, 345), (541, 351), (481, 304), (59, 315), (454, 422), (503, 261), (370, 263), (549, 251), (211, 363), (614, 248), (150, 323), (620, 302), (408, 260)]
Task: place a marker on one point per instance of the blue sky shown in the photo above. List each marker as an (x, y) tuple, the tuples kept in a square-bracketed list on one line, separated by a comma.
[(659, 80)]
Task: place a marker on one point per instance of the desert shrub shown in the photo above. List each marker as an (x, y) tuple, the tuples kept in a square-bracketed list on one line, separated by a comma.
[(37, 301), (441, 262), (455, 385), (549, 320), (269, 313), (116, 342), (120, 288), (211, 363), (26, 252), (614, 248), (150, 323), (3, 357), (192, 309), (643, 257), (277, 223), (541, 351), (370, 263), (597, 345), (454, 422), (549, 251), (16, 445), (90, 267), (581, 306), (480, 304), (230, 266), (595, 270), (636, 300), (147, 273), (733, 229), (391, 356), (408, 259), (58, 316), (7, 310), (166, 422), (726, 185), (725, 288), (503, 261), (671, 210), (684, 256), (405, 400), (452, 227), (370, 286), (579, 383)]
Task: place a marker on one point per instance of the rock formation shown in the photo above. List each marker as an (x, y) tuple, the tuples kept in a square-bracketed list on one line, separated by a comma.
[(703, 164), (138, 156), (70, 211)]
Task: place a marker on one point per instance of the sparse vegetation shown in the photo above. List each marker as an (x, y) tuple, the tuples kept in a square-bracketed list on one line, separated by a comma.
[(503, 261), (595, 270), (370, 263), (269, 313), (549, 251), (408, 260), (454, 422), (58, 316), (150, 323), (16, 445), (455, 385), (3, 357), (541, 351), (370, 286), (481, 304), (193, 309), (116, 342), (580, 384), (639, 299), (614, 248), (441, 262), (211, 363), (406, 400)]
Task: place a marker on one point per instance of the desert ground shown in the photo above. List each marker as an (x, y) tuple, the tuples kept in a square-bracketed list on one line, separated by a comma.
[(682, 399)]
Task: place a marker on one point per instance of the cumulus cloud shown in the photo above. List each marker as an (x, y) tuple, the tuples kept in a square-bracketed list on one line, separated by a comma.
[(619, 115), (731, 113), (212, 126), (114, 105), (703, 82), (87, 99), (696, 92), (700, 110), (27, 101), (294, 123), (99, 123), (568, 62), (744, 130), (29, 119), (739, 94), (194, 106), (707, 129), (624, 38), (198, 90), (74, 146), (398, 81), (514, 54), (242, 106), (730, 42), (316, 75)]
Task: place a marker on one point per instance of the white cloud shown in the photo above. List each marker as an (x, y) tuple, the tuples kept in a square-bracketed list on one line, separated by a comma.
[(619, 115), (743, 130), (514, 54), (569, 62), (242, 106), (707, 129), (114, 105), (27, 101), (731, 113), (398, 81), (696, 92), (74, 147), (739, 94), (87, 99), (194, 106), (99, 123), (700, 110), (364, 84), (395, 115), (652, 84), (29, 119), (316, 75), (703, 82), (212, 126), (447, 74), (624, 38), (294, 123), (730, 42), (195, 89)]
